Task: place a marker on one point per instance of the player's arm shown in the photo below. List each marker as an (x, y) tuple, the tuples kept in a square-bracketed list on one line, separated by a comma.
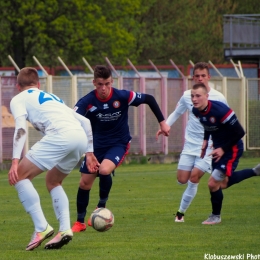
[(237, 131), (18, 144), (92, 162), (179, 110), (151, 102), (232, 126)]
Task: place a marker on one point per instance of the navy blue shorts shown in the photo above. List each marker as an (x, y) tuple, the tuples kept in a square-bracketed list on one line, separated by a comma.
[(116, 154), (229, 161)]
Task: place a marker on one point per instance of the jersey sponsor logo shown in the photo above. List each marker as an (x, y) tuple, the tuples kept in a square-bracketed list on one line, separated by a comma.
[(105, 106), (109, 116), (210, 128), (116, 104), (212, 119)]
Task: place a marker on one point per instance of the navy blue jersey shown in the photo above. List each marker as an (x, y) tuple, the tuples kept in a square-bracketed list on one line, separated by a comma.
[(109, 117), (220, 122)]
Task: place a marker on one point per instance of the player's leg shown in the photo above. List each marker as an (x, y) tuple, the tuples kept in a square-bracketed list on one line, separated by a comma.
[(239, 176), (185, 166), (73, 145), (216, 194), (29, 197), (235, 177), (86, 182), (200, 167), (112, 159), (105, 181)]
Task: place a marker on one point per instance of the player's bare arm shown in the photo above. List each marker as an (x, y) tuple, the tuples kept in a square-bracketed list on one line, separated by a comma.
[(12, 174), (165, 129), (204, 148)]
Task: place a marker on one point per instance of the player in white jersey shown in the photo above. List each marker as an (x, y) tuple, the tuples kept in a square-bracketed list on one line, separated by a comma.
[(67, 136), (191, 166)]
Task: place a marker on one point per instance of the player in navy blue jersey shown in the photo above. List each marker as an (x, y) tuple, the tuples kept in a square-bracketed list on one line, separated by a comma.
[(107, 109), (221, 124)]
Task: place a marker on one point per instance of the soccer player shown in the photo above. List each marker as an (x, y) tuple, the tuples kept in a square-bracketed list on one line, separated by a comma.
[(191, 166), (221, 124), (67, 135), (107, 109)]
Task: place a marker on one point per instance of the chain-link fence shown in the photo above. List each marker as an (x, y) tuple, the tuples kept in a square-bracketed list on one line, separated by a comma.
[(242, 96)]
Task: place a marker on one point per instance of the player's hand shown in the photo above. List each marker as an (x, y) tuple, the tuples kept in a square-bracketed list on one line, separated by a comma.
[(217, 154), (165, 129), (159, 132), (13, 174), (204, 148), (92, 163)]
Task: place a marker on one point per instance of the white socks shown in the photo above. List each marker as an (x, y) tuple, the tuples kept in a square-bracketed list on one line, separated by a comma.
[(188, 196), (60, 204), (29, 197)]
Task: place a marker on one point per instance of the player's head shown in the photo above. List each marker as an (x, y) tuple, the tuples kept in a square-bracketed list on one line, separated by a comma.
[(201, 73), (199, 96), (102, 72), (102, 81), (28, 77)]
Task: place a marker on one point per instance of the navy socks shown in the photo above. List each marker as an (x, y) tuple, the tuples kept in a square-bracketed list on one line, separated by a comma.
[(82, 204), (105, 184), (239, 176), (216, 201)]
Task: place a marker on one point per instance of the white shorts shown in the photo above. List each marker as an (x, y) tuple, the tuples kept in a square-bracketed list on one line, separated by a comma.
[(188, 162), (62, 150)]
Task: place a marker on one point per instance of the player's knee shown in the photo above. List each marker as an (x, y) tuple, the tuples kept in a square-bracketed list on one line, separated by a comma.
[(182, 181), (105, 171), (212, 185), (85, 184), (195, 179)]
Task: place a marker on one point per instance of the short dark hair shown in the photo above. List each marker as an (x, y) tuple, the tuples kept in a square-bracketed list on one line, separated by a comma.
[(201, 66), (102, 71), (200, 85), (27, 76)]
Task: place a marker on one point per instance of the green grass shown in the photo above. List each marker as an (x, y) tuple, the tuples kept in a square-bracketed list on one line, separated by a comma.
[(144, 199)]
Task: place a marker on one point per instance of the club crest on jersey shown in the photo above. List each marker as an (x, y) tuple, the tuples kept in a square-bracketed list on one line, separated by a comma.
[(116, 104), (105, 106), (212, 119)]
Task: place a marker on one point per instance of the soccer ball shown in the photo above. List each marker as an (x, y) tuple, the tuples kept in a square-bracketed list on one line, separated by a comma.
[(102, 219)]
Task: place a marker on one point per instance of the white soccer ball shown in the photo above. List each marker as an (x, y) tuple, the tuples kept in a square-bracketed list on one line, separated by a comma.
[(102, 219)]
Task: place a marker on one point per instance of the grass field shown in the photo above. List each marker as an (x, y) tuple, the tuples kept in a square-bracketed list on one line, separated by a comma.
[(144, 199)]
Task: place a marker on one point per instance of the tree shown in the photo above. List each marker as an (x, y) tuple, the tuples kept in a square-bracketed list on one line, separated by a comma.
[(67, 28), (182, 30)]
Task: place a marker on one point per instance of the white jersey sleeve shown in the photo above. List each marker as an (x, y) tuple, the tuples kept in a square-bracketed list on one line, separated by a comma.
[(19, 136), (180, 109), (217, 96), (85, 123)]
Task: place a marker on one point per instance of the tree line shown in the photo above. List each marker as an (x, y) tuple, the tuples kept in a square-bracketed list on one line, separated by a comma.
[(119, 29)]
